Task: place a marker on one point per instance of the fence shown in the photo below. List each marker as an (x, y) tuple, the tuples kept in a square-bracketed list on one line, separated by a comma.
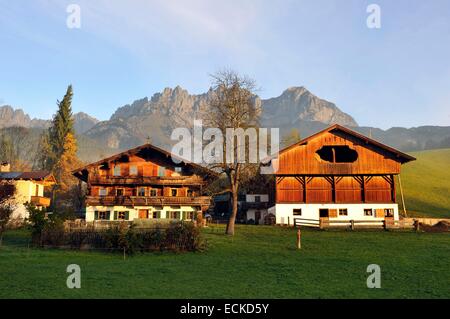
[(81, 224), (306, 222), (324, 223)]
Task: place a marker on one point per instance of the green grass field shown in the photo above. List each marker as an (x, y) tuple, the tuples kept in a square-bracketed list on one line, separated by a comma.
[(426, 184), (259, 262)]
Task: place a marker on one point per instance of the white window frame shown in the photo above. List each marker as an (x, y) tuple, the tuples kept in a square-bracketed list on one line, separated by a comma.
[(139, 191), (342, 209), (117, 171), (133, 170), (367, 209)]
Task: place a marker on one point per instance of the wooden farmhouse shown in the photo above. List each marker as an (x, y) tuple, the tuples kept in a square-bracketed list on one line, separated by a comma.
[(337, 174), (144, 183)]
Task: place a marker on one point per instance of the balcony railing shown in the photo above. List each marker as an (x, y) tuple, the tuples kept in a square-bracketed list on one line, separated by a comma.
[(146, 180), (146, 201), (40, 201)]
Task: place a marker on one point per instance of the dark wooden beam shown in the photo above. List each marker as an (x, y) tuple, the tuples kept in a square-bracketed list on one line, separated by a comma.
[(363, 189)]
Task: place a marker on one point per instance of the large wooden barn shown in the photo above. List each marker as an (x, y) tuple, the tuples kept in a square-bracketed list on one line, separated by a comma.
[(337, 174), (144, 183)]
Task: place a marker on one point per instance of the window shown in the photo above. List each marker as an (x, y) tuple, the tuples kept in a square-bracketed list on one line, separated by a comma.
[(141, 191), (297, 212), (119, 192), (156, 214), (153, 193), (178, 169), (161, 171), (174, 215), (389, 212), (323, 212), (133, 170), (368, 212), (36, 190), (173, 192), (190, 193), (257, 199), (101, 215), (337, 154), (117, 170), (188, 215), (343, 212), (103, 192), (121, 215)]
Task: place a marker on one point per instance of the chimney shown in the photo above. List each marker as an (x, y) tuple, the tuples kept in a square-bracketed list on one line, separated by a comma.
[(5, 167)]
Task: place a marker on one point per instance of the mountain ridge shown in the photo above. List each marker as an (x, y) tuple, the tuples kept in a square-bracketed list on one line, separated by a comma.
[(154, 118)]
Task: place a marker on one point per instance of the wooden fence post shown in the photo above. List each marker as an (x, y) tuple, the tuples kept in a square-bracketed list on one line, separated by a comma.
[(352, 224), (299, 239), (416, 225)]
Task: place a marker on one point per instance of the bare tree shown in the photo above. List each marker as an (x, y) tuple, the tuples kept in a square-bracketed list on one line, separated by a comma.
[(233, 105)]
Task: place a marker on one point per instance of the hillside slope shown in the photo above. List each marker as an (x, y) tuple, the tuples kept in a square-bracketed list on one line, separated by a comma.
[(426, 184)]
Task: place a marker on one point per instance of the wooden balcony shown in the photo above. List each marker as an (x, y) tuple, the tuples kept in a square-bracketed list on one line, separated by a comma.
[(146, 180), (146, 201), (40, 201)]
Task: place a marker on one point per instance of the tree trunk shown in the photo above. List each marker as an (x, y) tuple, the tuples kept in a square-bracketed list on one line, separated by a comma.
[(232, 220)]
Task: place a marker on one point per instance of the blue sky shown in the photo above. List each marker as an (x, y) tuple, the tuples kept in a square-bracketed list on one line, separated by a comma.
[(398, 75)]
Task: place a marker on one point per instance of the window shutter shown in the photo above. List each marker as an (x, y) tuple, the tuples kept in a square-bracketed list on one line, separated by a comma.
[(108, 215), (332, 213), (96, 215), (380, 213), (115, 215), (127, 215)]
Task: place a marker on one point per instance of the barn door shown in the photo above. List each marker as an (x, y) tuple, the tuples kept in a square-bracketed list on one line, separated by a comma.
[(324, 216)]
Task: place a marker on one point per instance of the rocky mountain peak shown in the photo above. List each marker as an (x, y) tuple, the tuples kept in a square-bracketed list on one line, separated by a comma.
[(17, 117), (298, 104), (83, 122)]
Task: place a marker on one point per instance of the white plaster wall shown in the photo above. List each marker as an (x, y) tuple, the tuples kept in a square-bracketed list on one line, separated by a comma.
[(134, 212), (251, 214), (284, 212), (250, 198), (24, 191)]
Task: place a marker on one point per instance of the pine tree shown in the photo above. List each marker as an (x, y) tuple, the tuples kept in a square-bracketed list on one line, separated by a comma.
[(59, 148)]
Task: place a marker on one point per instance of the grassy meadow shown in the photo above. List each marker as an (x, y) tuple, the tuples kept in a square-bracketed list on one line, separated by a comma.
[(259, 262), (426, 184)]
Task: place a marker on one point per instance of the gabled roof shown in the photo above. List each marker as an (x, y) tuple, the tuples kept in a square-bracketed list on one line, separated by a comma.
[(78, 172), (403, 157), (35, 176)]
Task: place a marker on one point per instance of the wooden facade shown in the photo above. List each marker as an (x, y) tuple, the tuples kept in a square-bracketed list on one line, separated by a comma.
[(145, 178), (338, 165)]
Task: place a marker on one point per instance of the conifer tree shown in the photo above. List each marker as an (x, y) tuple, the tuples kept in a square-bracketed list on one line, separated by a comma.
[(59, 147)]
